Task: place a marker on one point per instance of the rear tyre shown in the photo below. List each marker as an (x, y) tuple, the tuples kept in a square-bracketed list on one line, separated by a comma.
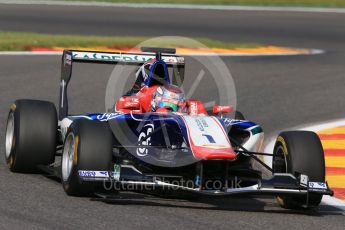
[(299, 152), (88, 146), (239, 115), (31, 135)]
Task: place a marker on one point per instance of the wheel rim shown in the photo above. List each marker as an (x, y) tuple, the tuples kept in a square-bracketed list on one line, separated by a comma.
[(282, 168), (9, 135), (280, 153), (68, 156)]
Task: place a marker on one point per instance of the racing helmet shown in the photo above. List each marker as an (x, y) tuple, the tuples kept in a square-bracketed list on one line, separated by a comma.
[(169, 97)]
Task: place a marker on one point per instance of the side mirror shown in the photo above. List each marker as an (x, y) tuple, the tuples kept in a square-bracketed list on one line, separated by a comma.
[(217, 109), (128, 102)]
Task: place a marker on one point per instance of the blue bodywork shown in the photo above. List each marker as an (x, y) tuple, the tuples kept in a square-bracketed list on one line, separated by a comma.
[(153, 68), (164, 137)]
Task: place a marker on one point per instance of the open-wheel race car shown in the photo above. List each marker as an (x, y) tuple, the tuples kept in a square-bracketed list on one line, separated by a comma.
[(179, 146)]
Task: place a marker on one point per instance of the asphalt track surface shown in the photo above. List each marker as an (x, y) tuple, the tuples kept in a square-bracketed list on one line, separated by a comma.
[(277, 92)]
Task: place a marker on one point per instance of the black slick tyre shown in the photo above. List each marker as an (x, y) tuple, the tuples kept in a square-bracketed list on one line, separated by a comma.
[(31, 135)]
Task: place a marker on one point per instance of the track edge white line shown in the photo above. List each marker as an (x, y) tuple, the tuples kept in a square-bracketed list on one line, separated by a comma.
[(180, 6), (311, 52)]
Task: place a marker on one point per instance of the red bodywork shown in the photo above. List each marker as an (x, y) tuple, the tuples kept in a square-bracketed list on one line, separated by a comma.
[(217, 109), (141, 103), (142, 99)]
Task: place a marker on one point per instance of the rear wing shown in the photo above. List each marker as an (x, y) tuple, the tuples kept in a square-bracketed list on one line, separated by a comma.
[(70, 56)]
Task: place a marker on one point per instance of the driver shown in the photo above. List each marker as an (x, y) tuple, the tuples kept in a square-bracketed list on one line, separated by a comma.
[(168, 98)]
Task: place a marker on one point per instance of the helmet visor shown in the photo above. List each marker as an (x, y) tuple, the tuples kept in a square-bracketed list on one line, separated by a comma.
[(163, 104)]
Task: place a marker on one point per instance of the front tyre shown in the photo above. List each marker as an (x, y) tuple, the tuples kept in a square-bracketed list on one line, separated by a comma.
[(31, 135), (88, 146), (299, 152)]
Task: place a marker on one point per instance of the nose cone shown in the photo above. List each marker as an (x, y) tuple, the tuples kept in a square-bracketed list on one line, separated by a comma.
[(210, 153), (208, 139)]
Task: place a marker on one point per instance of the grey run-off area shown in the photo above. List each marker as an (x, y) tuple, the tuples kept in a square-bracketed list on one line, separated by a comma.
[(277, 92)]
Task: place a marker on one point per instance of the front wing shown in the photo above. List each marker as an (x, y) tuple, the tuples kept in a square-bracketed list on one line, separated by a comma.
[(277, 184)]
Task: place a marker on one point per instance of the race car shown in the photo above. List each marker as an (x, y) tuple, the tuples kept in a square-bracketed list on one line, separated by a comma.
[(213, 153)]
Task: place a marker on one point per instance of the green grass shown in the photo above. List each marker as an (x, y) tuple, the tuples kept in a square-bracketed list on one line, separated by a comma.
[(21, 41), (308, 3)]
